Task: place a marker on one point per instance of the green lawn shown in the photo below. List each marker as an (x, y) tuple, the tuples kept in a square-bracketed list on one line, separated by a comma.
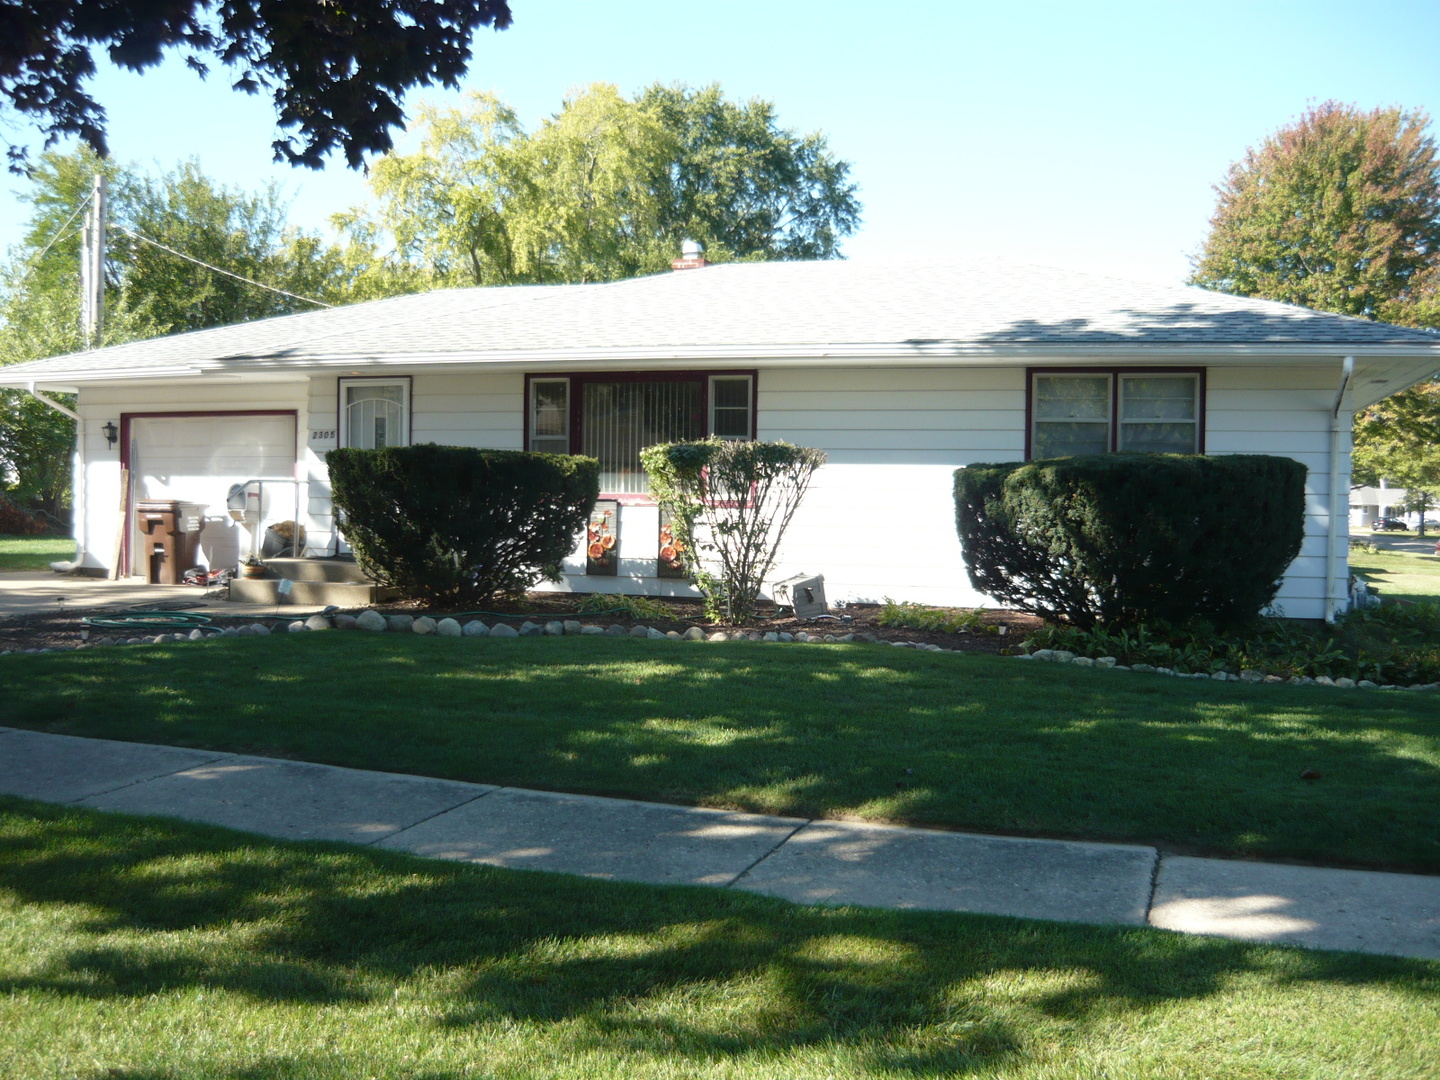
[(34, 552), (145, 949), (1399, 575), (869, 732)]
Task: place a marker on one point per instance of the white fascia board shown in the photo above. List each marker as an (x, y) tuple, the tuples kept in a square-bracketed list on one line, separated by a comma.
[(831, 355), (660, 358)]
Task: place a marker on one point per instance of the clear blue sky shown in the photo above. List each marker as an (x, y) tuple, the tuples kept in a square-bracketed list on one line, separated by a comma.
[(1082, 135)]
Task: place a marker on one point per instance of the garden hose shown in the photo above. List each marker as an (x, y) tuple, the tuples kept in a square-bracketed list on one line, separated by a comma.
[(154, 621), (557, 614)]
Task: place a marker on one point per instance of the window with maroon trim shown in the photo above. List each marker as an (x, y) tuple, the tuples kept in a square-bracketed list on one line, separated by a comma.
[(1115, 411), (612, 417)]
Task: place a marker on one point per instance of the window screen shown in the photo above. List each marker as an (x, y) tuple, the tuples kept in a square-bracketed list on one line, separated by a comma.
[(1071, 414)]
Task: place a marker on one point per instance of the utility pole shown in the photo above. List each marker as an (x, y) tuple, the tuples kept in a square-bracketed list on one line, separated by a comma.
[(92, 267)]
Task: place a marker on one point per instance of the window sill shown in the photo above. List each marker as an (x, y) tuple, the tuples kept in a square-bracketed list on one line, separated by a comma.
[(629, 499)]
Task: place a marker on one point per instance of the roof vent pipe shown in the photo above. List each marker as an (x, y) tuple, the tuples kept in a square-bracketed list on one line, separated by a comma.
[(692, 257)]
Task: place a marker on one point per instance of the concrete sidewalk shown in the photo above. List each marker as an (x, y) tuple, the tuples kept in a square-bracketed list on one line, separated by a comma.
[(829, 862)]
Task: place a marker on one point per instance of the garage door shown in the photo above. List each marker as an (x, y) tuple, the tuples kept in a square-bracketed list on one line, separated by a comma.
[(196, 459)]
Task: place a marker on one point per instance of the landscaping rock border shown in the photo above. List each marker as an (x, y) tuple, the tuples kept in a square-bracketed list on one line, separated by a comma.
[(371, 621), (1109, 663)]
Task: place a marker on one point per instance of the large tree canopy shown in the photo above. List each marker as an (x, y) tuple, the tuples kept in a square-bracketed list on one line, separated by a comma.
[(149, 291), (1339, 211), (1398, 440), (337, 71), (605, 189)]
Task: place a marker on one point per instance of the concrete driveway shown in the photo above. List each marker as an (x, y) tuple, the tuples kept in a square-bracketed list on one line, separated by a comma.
[(1401, 542), (45, 592)]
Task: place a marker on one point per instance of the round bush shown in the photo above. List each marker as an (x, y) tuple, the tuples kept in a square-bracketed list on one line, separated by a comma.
[(1123, 538), (458, 525)]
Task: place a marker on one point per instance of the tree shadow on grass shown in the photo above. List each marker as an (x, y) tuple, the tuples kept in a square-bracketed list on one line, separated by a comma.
[(964, 742), (154, 906)]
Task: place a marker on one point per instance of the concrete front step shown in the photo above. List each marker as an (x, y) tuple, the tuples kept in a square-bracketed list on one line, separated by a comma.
[(343, 594), (317, 570)]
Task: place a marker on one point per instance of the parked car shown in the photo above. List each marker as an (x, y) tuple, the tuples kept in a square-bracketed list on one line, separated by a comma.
[(1385, 524)]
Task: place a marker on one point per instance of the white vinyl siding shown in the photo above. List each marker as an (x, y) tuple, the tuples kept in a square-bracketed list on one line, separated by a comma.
[(879, 519)]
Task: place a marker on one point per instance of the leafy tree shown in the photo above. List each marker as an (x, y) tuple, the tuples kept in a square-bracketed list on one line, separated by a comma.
[(148, 291), (743, 183), (245, 234), (1399, 439), (605, 189), (1339, 211), (445, 203), (337, 72)]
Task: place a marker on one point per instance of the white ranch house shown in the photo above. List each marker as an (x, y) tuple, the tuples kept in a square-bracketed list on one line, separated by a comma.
[(901, 374)]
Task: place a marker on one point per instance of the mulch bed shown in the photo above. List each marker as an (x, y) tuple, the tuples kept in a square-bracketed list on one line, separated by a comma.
[(63, 629)]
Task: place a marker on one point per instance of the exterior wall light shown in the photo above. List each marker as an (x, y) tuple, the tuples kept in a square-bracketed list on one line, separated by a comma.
[(111, 433)]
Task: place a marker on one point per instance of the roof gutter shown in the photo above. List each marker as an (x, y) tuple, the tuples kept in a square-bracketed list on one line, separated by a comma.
[(1333, 595), (741, 355), (80, 475)]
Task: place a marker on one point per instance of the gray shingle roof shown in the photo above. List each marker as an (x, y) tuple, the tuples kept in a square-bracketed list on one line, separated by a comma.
[(758, 307)]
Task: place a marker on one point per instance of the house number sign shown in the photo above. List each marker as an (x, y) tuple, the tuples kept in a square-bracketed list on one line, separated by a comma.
[(322, 436)]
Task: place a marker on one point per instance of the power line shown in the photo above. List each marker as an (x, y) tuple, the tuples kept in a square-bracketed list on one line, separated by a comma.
[(218, 269), (56, 237)]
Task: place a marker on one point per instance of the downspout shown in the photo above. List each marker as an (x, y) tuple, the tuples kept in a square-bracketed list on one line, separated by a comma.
[(1332, 532), (81, 520)]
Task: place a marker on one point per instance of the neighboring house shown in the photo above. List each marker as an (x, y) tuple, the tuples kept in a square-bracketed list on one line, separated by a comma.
[(1369, 503), (900, 374)]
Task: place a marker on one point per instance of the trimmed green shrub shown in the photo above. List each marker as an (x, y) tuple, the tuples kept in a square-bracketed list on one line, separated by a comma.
[(1117, 539), (457, 525)]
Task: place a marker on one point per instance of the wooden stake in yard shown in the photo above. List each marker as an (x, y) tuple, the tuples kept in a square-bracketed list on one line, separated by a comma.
[(120, 532)]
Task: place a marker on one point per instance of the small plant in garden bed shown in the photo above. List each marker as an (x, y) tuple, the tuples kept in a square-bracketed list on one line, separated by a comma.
[(1393, 643), (915, 616), (633, 607)]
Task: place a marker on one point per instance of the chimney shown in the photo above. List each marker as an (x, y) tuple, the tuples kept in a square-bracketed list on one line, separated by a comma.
[(691, 257)]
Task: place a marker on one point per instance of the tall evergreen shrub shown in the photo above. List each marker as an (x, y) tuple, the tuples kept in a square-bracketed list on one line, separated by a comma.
[(457, 525), (1123, 538)]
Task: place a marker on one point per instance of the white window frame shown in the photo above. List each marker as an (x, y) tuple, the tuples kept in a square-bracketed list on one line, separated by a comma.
[(1120, 422), (531, 406), (344, 407), (1108, 423), (749, 381)]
